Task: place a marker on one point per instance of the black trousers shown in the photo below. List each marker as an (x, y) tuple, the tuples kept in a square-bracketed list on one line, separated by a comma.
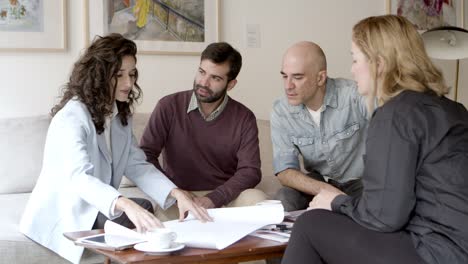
[(123, 219), (321, 236)]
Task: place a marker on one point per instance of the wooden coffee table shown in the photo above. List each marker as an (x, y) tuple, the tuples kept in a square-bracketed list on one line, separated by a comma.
[(247, 249)]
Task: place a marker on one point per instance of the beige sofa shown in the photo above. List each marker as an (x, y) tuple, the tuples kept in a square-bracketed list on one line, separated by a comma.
[(22, 141)]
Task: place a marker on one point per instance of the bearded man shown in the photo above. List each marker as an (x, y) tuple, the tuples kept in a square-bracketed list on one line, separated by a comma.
[(208, 140)]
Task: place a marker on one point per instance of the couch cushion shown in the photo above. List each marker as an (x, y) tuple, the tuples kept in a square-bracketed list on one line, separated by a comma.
[(139, 124), (16, 247), (269, 183), (22, 141)]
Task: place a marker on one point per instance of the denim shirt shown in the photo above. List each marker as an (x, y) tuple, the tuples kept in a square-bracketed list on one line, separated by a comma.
[(335, 148)]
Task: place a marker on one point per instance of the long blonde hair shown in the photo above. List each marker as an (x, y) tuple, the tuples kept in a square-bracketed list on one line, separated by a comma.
[(397, 57)]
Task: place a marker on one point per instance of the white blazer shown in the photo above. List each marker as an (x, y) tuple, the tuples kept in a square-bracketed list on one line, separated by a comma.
[(75, 181)]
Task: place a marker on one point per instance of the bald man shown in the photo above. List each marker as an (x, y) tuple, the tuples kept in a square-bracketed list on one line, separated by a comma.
[(322, 119)]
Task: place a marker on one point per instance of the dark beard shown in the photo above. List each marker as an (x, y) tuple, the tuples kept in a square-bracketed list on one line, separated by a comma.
[(213, 97)]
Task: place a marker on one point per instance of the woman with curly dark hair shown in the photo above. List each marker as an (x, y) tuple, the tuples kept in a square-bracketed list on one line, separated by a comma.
[(89, 147)]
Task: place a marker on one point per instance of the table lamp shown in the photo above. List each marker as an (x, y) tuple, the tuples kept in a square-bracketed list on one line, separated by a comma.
[(447, 43)]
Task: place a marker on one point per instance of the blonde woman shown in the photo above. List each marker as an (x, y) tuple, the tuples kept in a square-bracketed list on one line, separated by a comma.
[(414, 205)]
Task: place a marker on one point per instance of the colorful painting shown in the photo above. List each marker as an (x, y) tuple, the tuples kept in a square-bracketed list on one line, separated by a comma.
[(427, 14), (21, 15), (164, 20), (178, 26), (33, 25)]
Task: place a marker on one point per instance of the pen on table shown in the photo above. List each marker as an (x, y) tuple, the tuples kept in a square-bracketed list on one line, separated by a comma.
[(279, 227)]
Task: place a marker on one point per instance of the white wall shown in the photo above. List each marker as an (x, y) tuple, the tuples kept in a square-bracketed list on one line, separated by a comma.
[(282, 23), (30, 82), (463, 78)]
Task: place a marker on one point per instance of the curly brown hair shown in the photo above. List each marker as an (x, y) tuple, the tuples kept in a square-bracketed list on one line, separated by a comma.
[(94, 79)]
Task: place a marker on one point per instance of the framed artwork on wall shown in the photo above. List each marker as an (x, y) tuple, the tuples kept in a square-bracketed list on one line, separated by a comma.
[(33, 25), (427, 14), (178, 27)]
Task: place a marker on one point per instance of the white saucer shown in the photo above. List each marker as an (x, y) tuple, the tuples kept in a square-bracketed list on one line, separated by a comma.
[(149, 248)]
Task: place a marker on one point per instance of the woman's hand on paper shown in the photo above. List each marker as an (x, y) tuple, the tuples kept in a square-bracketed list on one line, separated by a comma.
[(324, 198), (186, 203), (140, 217)]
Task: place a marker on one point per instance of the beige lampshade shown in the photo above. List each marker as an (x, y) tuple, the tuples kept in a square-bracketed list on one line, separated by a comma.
[(448, 43)]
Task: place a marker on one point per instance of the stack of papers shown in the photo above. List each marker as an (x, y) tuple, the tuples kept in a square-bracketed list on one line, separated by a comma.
[(229, 225), (274, 232)]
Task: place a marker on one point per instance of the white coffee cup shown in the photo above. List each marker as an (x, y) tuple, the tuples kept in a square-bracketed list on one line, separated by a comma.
[(161, 237)]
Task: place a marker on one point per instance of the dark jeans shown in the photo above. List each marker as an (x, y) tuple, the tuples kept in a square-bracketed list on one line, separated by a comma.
[(293, 199), (321, 236), (123, 219)]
